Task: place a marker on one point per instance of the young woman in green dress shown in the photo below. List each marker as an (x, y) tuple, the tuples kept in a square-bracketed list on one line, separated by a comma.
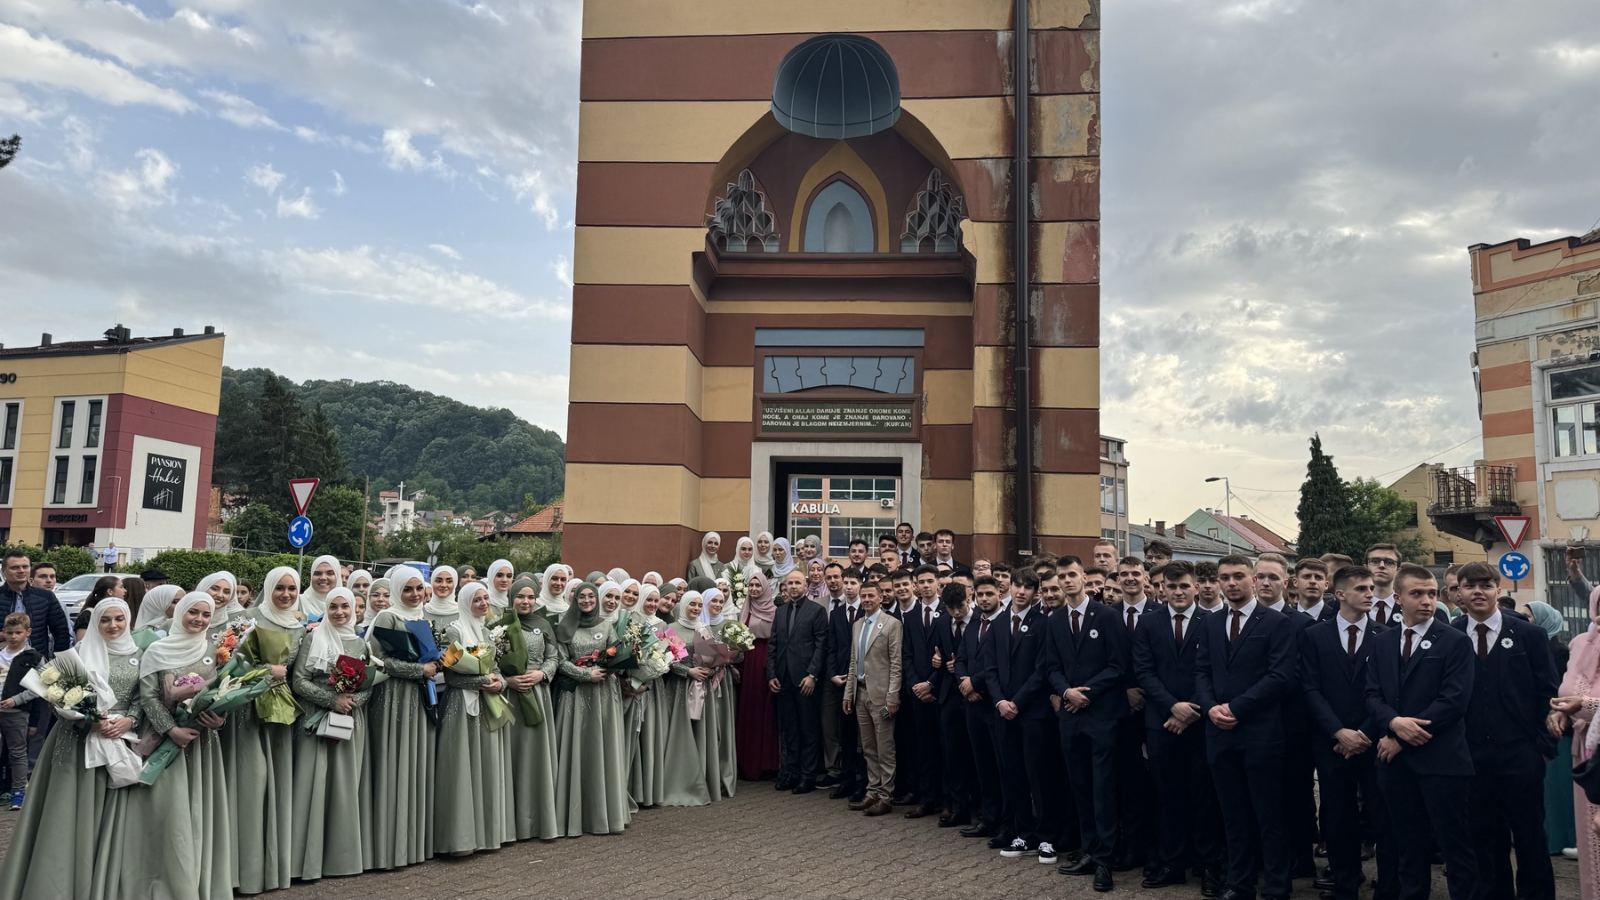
[(331, 804), (472, 790), (642, 716), (152, 619), (74, 828), (591, 779), (533, 748), (498, 578), (258, 754), (722, 701), (401, 740), (221, 586), (180, 845), (681, 754)]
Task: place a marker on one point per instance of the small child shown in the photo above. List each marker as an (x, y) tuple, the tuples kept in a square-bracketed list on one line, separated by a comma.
[(18, 706)]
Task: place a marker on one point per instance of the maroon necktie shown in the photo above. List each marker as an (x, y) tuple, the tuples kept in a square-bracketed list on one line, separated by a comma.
[(1383, 613), (1405, 652), (1238, 618), (983, 629), (1077, 623), (1483, 641), (1131, 613), (1016, 623), (1177, 629), (854, 613), (960, 628), (927, 617), (1350, 646)]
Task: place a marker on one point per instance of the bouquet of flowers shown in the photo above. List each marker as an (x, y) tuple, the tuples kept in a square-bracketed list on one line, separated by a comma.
[(271, 647), (738, 588), (232, 635), (736, 635), (413, 644), (500, 640), (235, 684), (350, 675), (478, 661), (65, 685), (710, 652), (674, 644), (654, 664), (515, 661)]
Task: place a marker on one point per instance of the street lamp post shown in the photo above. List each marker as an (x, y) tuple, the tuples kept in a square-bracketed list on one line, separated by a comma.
[(1227, 505)]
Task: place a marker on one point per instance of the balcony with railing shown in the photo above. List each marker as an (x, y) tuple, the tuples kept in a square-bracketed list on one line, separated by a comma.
[(1466, 499)]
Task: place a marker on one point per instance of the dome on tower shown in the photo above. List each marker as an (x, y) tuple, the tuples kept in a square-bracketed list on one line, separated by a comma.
[(836, 86)]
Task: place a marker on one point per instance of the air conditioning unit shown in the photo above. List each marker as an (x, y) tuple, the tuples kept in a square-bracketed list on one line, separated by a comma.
[(887, 503)]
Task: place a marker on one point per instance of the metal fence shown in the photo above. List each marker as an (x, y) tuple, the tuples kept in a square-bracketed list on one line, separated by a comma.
[(1558, 591)]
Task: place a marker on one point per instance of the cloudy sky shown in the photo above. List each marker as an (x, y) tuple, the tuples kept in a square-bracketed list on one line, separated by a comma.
[(384, 189)]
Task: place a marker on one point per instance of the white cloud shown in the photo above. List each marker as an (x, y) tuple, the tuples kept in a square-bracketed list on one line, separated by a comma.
[(562, 268), (265, 177), (400, 155), (241, 111), (338, 184), (143, 186), (445, 250), (299, 208), (530, 186), (369, 274), (41, 61)]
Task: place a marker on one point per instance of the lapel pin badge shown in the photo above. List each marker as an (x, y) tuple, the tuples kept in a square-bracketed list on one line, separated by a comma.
[(1506, 643)]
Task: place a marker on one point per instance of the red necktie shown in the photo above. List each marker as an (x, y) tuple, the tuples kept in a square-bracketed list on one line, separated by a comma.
[(1405, 652), (1177, 629), (1077, 623), (1483, 641), (1131, 614), (1355, 632), (1238, 618)]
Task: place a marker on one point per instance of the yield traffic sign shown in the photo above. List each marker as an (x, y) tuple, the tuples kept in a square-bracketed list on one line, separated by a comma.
[(1513, 528), (301, 490)]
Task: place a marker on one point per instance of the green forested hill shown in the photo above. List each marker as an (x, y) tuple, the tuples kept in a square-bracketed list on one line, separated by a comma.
[(467, 458)]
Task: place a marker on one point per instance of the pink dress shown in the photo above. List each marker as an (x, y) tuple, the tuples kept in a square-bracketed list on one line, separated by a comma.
[(1583, 680)]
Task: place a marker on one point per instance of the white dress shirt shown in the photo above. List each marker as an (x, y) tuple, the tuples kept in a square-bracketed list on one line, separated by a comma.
[(1419, 632), (1391, 609), (1315, 612), (1344, 631), (1494, 622)]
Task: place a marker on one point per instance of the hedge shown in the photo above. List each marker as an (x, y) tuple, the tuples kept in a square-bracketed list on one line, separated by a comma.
[(187, 567)]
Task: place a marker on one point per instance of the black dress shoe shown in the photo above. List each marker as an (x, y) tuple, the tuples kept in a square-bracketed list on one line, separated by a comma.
[(1327, 895), (1210, 885), (1231, 894), (1083, 865), (783, 785), (805, 787), (1000, 841), (1323, 881), (838, 793), (858, 805), (977, 830), (1162, 876), (1102, 879), (827, 781), (952, 820), (858, 797)]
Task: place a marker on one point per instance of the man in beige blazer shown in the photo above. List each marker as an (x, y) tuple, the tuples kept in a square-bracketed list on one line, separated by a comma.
[(872, 692)]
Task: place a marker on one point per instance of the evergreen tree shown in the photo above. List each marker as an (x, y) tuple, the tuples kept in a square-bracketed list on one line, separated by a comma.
[(9, 147), (1324, 510)]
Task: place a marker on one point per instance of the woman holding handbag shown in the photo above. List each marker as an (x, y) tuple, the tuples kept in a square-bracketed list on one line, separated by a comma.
[(331, 810)]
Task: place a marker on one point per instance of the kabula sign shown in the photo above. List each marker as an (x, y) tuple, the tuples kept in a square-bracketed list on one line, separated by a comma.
[(814, 509)]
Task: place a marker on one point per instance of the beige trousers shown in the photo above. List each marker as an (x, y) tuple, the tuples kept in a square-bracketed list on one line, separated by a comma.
[(877, 746)]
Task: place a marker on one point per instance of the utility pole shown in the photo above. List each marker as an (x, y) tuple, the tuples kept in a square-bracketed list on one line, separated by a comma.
[(366, 498), (1227, 503)]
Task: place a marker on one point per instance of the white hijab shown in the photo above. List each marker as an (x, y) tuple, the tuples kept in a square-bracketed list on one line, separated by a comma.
[(95, 651), (651, 578), (153, 608), (399, 577), (327, 639), (181, 648), (706, 619), (474, 630), (497, 599), (234, 605), (356, 576), (780, 569), (685, 625), (367, 612), (312, 602), (738, 564), (708, 562), (606, 588), (555, 604), (443, 606), (764, 562), (291, 618)]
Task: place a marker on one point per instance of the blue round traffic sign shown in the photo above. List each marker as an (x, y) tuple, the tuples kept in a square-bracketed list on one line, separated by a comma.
[(1515, 566), (299, 532)]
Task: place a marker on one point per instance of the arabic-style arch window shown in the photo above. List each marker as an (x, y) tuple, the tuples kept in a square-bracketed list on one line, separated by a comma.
[(839, 221)]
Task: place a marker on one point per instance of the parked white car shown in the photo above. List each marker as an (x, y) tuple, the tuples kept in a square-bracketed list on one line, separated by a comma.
[(74, 592)]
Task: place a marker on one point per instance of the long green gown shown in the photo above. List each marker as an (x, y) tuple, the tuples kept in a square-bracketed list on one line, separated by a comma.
[(259, 760), (472, 803), (332, 800), (400, 748), (681, 767), (70, 837), (179, 843), (640, 718), (722, 767), (533, 749), (592, 777)]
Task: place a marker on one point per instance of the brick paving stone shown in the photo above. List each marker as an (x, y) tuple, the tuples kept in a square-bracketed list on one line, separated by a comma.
[(761, 844)]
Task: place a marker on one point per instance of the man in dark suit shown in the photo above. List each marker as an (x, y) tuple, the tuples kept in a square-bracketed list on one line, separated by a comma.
[(906, 545), (1136, 833), (1307, 585), (50, 631), (959, 780), (1087, 662), (1244, 665), (841, 622), (1513, 684), (944, 552), (832, 688), (977, 642), (1419, 685), (922, 621), (796, 655), (1334, 656), (1189, 822), (1014, 686)]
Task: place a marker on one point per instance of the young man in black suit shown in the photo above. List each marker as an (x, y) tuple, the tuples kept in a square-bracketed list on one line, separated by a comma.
[(1087, 661), (1244, 666), (977, 643), (1419, 685), (1189, 823), (1513, 684), (1334, 656), (1015, 687), (841, 621), (959, 779), (795, 670), (1136, 830), (922, 694), (1309, 576)]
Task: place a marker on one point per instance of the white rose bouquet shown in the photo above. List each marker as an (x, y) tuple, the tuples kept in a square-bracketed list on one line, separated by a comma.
[(64, 684)]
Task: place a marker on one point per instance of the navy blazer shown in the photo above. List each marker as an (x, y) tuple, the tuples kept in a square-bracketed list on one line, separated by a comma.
[(1252, 675), (1436, 684), (970, 659), (1163, 670), (1334, 682), (1011, 668), (799, 643), (1510, 702), (1296, 719), (917, 648), (839, 641), (1098, 657), (946, 683)]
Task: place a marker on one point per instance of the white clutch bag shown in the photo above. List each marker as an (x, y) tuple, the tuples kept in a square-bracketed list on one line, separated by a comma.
[(337, 727)]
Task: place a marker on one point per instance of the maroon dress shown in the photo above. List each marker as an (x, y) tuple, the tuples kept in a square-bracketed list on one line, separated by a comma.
[(757, 725)]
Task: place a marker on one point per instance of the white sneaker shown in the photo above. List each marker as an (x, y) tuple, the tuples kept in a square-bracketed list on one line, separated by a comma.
[(1018, 849), (1570, 852), (1047, 853)]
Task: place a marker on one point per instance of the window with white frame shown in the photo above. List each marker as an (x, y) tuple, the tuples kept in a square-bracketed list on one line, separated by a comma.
[(1573, 400), (10, 430), (1108, 494), (75, 469)]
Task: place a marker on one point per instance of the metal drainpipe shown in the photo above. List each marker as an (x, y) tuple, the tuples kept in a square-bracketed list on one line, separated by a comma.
[(1020, 191)]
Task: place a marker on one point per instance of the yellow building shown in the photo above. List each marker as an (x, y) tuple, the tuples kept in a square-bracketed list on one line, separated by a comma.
[(109, 441), (1441, 549)]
